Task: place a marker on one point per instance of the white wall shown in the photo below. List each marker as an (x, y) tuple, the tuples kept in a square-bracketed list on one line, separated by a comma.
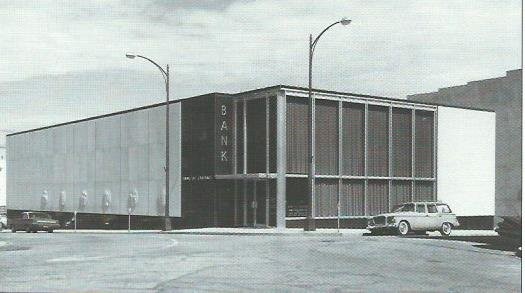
[(2, 175), (466, 160)]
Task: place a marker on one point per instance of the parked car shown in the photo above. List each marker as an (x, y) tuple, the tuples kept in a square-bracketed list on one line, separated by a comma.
[(417, 217), (3, 222), (33, 222)]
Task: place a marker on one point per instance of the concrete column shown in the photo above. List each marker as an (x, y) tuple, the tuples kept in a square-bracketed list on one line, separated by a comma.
[(281, 161), (413, 154)]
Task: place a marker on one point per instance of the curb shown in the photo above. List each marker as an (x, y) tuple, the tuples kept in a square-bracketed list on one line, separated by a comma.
[(105, 232), (301, 234)]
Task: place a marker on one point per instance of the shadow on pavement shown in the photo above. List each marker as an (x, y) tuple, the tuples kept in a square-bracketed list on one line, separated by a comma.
[(485, 242)]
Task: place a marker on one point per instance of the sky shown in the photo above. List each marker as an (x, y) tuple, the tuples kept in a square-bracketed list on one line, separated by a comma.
[(65, 60)]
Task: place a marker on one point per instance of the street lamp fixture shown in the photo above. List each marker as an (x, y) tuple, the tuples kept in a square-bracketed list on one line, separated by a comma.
[(345, 21), (309, 224), (166, 76)]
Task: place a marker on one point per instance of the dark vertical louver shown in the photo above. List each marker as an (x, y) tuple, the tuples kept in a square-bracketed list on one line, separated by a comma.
[(353, 153), (424, 144), (296, 135), (401, 142), (186, 145), (240, 138), (424, 191), (256, 132), (326, 197), (377, 141), (401, 192), (377, 197), (326, 137), (352, 197), (273, 134)]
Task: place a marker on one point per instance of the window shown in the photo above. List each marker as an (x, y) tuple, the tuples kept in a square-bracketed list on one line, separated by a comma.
[(432, 208), (420, 208), (443, 208), (409, 207)]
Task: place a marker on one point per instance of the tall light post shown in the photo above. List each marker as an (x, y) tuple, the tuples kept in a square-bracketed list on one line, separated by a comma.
[(166, 76), (309, 224)]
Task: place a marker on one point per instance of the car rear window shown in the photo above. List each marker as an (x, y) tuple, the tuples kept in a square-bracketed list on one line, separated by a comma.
[(443, 208)]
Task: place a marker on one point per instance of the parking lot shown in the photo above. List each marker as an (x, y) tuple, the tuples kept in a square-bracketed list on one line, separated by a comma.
[(166, 262)]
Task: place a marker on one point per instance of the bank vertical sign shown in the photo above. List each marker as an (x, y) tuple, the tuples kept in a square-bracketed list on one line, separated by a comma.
[(223, 135)]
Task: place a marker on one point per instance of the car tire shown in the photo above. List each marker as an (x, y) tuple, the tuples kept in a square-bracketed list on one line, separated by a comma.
[(50, 231), (13, 230), (403, 228), (446, 229)]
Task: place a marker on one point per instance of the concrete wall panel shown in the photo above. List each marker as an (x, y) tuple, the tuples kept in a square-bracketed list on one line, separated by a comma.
[(134, 128), (120, 154)]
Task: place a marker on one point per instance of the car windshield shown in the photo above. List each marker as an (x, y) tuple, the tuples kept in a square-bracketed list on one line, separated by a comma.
[(408, 207)]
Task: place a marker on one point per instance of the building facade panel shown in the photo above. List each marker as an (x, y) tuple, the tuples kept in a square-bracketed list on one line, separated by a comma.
[(401, 192), (424, 144), (377, 141), (401, 142), (326, 137), (296, 135), (377, 197), (424, 191), (353, 136), (352, 198), (326, 198)]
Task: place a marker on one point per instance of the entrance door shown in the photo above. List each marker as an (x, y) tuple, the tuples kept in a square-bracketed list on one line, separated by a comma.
[(257, 205)]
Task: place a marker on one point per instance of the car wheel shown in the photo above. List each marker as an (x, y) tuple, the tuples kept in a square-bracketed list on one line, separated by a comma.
[(446, 229), (13, 230), (403, 228), (50, 231), (28, 230)]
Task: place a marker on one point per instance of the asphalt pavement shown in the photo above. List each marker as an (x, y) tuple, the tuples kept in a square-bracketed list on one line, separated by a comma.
[(139, 262)]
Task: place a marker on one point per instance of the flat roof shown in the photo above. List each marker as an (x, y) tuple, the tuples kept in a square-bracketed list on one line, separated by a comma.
[(274, 87), (291, 87)]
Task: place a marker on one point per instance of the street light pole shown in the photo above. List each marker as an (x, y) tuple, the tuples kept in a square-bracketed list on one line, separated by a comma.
[(167, 220), (309, 224), (166, 76)]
